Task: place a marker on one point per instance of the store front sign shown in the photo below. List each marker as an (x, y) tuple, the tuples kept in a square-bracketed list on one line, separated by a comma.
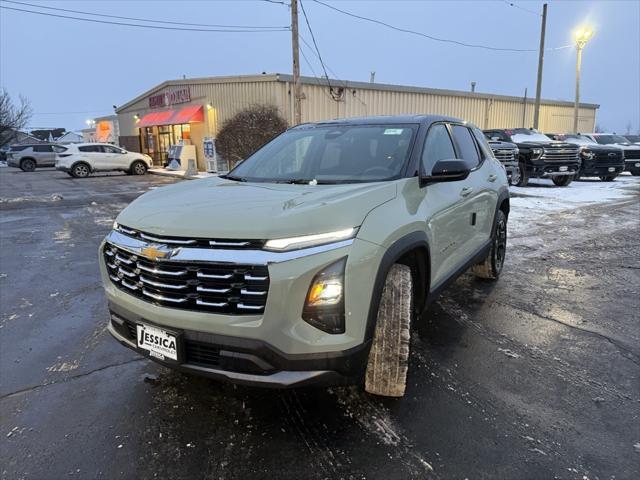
[(171, 97)]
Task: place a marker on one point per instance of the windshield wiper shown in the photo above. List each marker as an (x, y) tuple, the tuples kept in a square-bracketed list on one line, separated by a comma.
[(233, 177)]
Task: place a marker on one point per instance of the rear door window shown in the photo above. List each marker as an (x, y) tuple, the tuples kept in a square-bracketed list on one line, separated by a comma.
[(90, 148), (43, 148), (467, 149), (18, 148)]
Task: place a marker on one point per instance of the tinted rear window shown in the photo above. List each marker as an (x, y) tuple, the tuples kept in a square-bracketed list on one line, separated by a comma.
[(43, 148), (90, 148), (19, 148)]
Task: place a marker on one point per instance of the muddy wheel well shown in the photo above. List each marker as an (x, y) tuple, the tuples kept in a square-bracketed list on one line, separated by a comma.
[(418, 260)]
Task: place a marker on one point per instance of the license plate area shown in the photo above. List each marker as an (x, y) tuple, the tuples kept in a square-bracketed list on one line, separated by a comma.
[(563, 169), (612, 169), (158, 342)]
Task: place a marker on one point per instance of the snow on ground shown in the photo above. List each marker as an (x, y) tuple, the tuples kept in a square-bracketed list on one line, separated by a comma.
[(541, 197)]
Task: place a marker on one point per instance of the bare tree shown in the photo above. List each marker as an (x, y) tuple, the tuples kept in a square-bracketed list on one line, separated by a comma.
[(248, 130), (599, 128), (13, 117), (629, 127)]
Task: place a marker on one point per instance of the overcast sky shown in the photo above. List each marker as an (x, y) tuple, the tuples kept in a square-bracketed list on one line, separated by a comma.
[(65, 65)]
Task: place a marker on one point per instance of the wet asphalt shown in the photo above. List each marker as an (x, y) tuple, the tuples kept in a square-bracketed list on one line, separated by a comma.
[(536, 376)]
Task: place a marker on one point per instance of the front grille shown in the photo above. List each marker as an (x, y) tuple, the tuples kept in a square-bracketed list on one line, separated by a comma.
[(203, 286), (605, 158), (203, 354), (569, 153), (505, 155), (632, 154), (251, 244)]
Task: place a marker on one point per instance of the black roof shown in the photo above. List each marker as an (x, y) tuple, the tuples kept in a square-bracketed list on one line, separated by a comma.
[(385, 119)]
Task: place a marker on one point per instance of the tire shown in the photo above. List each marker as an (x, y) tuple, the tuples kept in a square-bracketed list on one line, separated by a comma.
[(80, 170), (635, 173), (491, 267), (524, 177), (577, 176), (388, 362), (28, 165), (608, 178), (562, 180), (138, 168)]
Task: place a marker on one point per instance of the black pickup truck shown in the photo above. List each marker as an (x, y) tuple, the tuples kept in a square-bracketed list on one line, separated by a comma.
[(604, 161), (539, 156), (507, 154)]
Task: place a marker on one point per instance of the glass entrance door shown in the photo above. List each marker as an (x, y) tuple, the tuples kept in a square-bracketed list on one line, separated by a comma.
[(164, 142)]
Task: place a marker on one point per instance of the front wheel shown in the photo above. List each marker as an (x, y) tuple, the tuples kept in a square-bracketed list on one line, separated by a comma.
[(491, 266), (635, 173), (563, 180), (389, 356), (138, 168), (523, 177), (608, 178)]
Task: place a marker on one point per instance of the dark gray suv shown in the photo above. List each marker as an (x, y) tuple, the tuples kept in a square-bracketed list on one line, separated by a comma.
[(30, 157)]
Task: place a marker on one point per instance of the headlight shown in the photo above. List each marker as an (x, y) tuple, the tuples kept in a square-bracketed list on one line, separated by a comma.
[(324, 306), (115, 225), (537, 152), (294, 243), (586, 154)]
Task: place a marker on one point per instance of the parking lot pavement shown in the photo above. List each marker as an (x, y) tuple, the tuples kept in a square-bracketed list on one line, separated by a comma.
[(536, 376)]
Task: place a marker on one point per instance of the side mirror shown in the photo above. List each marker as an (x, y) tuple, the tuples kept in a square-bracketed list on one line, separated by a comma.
[(446, 171)]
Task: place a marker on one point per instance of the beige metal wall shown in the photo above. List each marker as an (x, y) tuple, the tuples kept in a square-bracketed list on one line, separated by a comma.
[(484, 112)]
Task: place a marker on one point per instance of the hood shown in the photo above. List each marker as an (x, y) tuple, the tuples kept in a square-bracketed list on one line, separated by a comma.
[(219, 208), (600, 148), (500, 145)]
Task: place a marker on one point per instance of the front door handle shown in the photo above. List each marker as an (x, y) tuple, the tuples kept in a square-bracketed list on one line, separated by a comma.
[(466, 191), (492, 178)]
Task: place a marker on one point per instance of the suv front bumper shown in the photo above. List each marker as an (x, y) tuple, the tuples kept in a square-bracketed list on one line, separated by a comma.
[(275, 347)]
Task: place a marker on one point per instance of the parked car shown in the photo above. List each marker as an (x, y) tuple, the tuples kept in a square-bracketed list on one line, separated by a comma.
[(604, 161), (82, 159), (307, 262), (3, 152), (32, 156), (540, 157), (507, 154), (633, 139), (631, 152)]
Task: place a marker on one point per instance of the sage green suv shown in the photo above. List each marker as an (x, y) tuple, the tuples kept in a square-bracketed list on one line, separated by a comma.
[(307, 262)]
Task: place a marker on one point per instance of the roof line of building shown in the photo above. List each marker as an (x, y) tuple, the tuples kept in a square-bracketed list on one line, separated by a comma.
[(284, 77)]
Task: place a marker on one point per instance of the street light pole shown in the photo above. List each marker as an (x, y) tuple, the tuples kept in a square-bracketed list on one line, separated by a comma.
[(576, 105), (582, 36)]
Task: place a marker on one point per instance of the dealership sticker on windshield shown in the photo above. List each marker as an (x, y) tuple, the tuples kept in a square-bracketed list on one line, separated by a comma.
[(159, 343), (392, 131)]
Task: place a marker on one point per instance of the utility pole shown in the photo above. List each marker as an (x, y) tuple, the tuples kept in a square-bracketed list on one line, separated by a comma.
[(576, 105), (524, 108), (297, 93), (536, 112)]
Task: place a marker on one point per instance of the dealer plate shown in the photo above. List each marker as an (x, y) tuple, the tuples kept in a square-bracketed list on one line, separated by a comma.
[(564, 169), (612, 169), (158, 342)]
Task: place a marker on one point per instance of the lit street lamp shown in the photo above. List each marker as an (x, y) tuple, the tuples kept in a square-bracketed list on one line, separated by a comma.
[(582, 36)]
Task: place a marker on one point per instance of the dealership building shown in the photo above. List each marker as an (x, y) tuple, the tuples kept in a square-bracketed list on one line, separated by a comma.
[(191, 111)]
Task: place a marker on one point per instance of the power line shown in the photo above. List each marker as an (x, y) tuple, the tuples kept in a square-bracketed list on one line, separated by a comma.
[(137, 25), (512, 4), (141, 19), (314, 52), (315, 44), (431, 37)]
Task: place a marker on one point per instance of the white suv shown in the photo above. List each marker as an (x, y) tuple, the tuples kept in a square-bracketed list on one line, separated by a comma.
[(82, 159)]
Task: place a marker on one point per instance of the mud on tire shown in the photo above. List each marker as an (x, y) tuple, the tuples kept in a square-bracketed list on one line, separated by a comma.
[(389, 356)]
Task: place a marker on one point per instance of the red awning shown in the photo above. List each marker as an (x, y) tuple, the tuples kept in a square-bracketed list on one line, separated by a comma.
[(172, 117)]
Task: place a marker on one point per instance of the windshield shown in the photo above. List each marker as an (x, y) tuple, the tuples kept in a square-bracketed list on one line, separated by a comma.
[(609, 139), (633, 138), (330, 154), (579, 140), (525, 135)]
